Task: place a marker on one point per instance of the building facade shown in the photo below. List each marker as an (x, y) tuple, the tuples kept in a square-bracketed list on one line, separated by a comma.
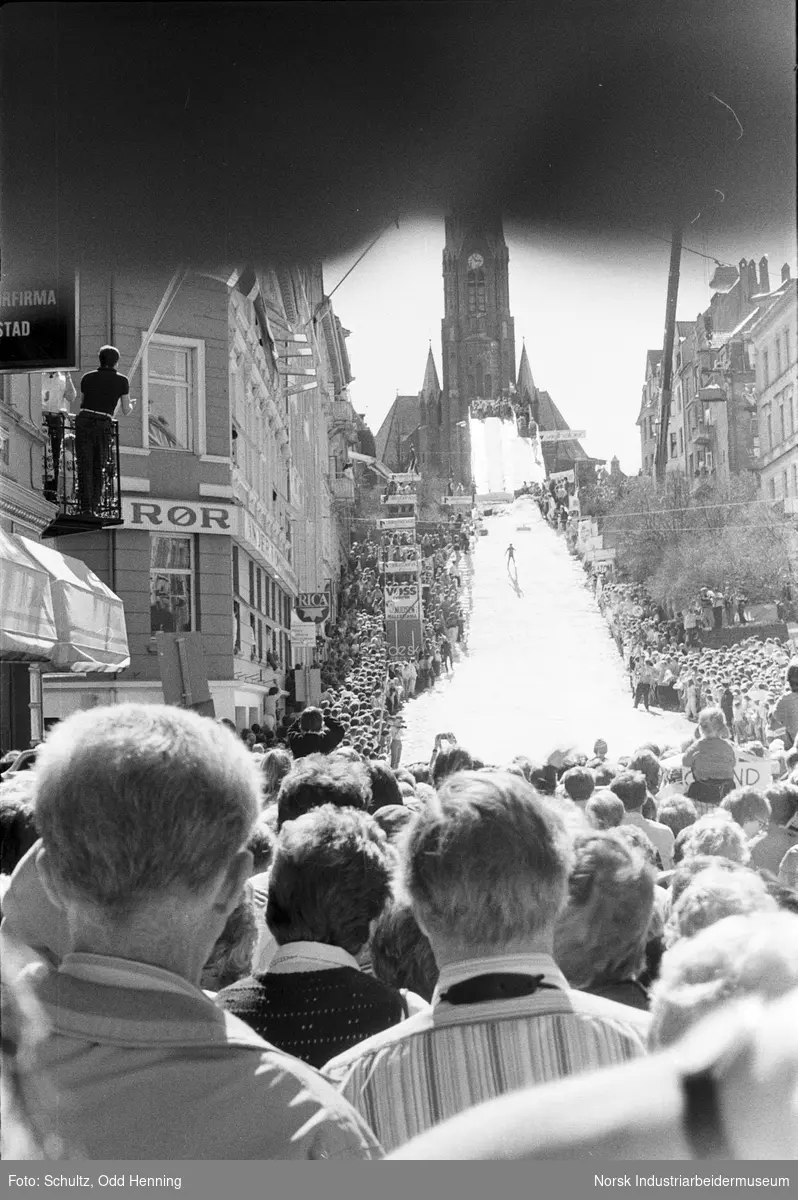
[(228, 479), (714, 426), (772, 343), (24, 511)]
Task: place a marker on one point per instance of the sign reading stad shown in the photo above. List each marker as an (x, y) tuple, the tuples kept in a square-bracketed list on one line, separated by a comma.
[(38, 323), (177, 516)]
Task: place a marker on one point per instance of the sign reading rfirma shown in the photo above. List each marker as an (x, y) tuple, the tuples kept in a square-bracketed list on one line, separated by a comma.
[(38, 323)]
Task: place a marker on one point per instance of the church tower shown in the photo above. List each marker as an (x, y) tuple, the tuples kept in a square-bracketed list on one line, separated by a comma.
[(477, 334)]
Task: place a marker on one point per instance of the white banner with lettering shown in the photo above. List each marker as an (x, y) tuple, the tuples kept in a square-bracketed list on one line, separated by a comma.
[(561, 435)]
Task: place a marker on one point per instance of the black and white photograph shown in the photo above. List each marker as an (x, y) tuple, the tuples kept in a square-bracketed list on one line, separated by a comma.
[(399, 596)]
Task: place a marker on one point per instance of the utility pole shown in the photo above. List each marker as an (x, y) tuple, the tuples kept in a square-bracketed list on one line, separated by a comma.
[(667, 353)]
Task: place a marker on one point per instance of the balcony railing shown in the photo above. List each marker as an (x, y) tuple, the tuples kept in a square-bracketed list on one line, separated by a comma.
[(343, 488), (81, 472)]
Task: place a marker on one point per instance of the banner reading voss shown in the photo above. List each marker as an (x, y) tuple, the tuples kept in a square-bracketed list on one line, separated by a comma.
[(39, 323), (402, 601)]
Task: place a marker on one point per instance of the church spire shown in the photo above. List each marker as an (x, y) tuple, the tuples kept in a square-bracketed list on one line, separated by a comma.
[(431, 385), (526, 382)]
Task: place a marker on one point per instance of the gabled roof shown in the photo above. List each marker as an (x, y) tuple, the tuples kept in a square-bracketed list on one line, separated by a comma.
[(685, 328), (653, 359), (431, 383), (403, 417)]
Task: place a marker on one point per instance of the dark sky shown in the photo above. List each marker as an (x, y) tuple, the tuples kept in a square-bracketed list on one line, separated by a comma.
[(222, 132)]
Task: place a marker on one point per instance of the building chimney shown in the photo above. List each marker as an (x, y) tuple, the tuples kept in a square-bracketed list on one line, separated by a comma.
[(785, 272), (764, 274)]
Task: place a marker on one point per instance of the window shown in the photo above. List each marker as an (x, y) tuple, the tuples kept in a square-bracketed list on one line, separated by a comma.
[(766, 367), (260, 592), (477, 302), (236, 627), (480, 379), (785, 491), (770, 431), (260, 641), (236, 580), (778, 356), (786, 348), (489, 385), (782, 423), (681, 443), (673, 445), (173, 408), (171, 590), (252, 583), (795, 479), (772, 487), (253, 648)]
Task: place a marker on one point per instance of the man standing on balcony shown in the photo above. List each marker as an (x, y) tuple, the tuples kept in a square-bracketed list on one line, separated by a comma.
[(100, 391)]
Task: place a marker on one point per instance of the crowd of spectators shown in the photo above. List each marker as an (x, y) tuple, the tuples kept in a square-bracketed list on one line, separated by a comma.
[(509, 407), (316, 956), (366, 681), (675, 672)]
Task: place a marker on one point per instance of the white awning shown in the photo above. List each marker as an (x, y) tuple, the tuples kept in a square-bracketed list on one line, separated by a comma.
[(54, 610)]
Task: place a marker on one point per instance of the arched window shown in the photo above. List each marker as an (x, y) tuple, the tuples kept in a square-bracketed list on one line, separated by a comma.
[(477, 302), (489, 386), (472, 390), (480, 379)]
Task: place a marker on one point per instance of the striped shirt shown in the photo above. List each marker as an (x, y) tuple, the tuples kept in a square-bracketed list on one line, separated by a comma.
[(441, 1062)]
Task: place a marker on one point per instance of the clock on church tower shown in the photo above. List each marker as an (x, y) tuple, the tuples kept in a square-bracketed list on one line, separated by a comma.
[(475, 261)]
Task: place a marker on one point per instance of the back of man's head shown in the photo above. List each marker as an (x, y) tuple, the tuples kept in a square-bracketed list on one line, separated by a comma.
[(320, 779), (579, 783), (648, 763), (745, 805), (631, 787), (311, 720), (384, 786), (783, 801), (450, 761), (133, 801), (109, 356), (487, 863)]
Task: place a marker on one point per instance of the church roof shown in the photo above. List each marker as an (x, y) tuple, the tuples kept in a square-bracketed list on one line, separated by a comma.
[(402, 419), (550, 417), (431, 383)]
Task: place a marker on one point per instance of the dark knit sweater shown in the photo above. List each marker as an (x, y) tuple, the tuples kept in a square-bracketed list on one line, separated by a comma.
[(314, 1015)]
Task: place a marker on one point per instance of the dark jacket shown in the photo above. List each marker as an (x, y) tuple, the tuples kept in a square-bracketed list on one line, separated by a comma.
[(302, 742)]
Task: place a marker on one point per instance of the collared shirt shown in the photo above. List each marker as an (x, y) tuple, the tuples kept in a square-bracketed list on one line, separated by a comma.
[(443, 1061), (310, 956), (660, 836), (146, 1066)]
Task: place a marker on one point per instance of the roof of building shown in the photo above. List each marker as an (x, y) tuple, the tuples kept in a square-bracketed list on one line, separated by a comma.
[(403, 417), (653, 358), (550, 417)]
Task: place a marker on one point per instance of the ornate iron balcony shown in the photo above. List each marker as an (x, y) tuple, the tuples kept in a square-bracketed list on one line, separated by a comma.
[(81, 472)]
